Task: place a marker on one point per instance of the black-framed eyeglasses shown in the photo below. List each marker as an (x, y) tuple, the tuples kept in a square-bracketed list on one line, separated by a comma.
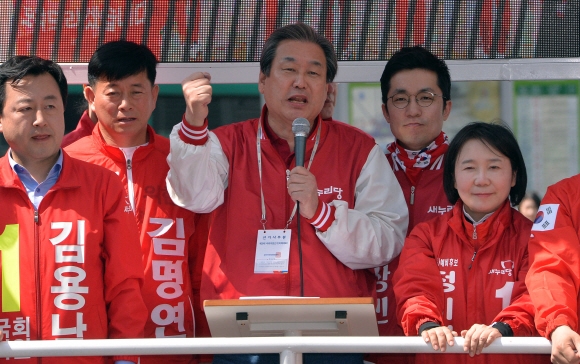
[(401, 100)]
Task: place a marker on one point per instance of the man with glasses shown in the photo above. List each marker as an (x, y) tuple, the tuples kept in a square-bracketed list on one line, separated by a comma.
[(416, 95)]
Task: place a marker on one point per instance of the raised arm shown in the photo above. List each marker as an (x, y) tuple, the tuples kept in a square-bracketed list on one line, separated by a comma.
[(198, 168)]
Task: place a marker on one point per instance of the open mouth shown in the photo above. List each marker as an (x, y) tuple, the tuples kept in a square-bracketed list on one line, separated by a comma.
[(298, 99), (126, 120)]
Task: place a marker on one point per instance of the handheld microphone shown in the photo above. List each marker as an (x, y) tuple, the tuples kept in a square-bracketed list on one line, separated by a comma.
[(300, 129)]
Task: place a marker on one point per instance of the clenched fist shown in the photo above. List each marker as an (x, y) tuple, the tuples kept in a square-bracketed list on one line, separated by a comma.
[(197, 93)]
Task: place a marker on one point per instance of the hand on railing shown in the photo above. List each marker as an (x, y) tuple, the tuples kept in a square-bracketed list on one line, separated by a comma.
[(565, 344), (478, 337), (287, 344), (439, 337)]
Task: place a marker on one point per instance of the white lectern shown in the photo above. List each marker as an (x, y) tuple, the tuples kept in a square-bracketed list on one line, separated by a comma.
[(292, 316)]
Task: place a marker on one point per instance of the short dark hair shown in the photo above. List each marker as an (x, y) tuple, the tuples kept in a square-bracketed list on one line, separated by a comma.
[(497, 136), (18, 67), (300, 32), (410, 58), (119, 59)]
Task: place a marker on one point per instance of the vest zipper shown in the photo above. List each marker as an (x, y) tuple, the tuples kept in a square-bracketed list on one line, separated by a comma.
[(472, 259), (474, 236), (130, 189), (37, 284), (412, 195)]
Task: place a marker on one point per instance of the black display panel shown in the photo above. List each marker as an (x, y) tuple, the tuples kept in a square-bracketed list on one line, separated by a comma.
[(234, 30)]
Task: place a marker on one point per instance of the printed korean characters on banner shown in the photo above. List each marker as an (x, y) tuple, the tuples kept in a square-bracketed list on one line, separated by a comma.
[(168, 264), (69, 260)]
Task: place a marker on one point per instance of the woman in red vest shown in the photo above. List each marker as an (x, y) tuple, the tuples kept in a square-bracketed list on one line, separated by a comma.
[(463, 272)]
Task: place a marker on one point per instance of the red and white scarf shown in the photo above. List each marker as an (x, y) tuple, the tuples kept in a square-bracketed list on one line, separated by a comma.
[(412, 162)]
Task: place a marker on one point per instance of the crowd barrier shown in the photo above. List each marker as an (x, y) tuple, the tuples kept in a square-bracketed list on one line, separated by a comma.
[(288, 347)]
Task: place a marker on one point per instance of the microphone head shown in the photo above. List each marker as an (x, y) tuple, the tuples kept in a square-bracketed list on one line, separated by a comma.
[(300, 127)]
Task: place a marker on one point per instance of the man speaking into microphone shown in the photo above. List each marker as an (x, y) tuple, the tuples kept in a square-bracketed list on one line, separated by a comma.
[(353, 211)]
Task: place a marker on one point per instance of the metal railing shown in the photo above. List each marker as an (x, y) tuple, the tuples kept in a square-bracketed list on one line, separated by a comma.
[(287, 347)]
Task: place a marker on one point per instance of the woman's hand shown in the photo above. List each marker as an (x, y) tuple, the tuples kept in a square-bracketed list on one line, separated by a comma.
[(439, 337), (478, 337)]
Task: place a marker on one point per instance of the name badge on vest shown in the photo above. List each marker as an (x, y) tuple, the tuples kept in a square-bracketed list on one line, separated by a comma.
[(272, 251)]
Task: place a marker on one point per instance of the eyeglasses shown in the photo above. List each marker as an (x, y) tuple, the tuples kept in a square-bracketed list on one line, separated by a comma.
[(424, 99)]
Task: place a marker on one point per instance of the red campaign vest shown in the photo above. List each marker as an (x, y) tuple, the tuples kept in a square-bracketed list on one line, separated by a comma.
[(230, 254), (73, 268), (553, 278), (166, 233), (456, 290), (429, 201)]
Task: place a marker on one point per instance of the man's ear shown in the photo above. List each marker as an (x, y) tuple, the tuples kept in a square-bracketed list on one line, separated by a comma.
[(385, 112), (155, 92), (89, 94), (447, 109), (262, 82), (154, 95)]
